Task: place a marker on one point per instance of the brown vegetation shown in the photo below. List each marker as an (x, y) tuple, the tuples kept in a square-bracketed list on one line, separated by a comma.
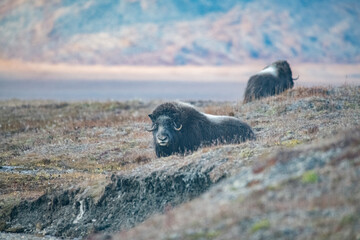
[(49, 146)]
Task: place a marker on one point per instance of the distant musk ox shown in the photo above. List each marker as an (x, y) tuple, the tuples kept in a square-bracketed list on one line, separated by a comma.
[(272, 80), (180, 128)]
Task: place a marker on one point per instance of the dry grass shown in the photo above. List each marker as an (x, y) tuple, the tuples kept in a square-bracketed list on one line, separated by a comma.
[(316, 205), (227, 110), (83, 143), (58, 145)]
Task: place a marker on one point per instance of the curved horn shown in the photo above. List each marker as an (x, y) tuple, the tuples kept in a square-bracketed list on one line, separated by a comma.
[(179, 128), (153, 127), (296, 78)]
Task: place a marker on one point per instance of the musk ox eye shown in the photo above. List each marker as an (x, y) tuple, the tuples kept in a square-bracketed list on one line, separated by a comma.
[(153, 128)]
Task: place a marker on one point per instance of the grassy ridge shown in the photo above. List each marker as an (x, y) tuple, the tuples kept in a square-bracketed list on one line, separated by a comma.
[(50, 146)]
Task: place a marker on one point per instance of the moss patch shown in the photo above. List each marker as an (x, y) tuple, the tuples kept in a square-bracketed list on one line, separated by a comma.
[(246, 153), (309, 177), (260, 225), (291, 143)]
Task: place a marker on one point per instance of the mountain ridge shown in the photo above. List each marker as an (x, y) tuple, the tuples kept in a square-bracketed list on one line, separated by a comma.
[(177, 32)]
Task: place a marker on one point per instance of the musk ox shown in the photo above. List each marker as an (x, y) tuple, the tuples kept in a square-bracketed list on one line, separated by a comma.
[(180, 128), (272, 80)]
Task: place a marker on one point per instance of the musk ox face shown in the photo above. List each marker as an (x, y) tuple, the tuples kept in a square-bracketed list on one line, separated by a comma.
[(284, 71), (166, 134)]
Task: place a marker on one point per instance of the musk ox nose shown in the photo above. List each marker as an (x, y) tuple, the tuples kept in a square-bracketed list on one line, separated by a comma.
[(162, 140)]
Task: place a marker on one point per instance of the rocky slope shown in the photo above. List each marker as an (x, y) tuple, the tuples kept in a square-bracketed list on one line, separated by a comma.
[(77, 169), (310, 192)]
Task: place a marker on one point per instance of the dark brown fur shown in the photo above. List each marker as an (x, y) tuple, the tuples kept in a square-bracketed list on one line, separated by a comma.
[(265, 84), (197, 129)]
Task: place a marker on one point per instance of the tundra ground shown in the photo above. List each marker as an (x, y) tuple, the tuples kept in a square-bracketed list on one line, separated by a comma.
[(81, 168)]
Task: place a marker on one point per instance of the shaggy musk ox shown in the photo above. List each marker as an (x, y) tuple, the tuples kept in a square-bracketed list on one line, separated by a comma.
[(179, 128), (272, 80)]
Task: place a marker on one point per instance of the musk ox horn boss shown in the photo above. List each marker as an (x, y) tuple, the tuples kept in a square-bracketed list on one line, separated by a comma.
[(272, 80), (180, 128)]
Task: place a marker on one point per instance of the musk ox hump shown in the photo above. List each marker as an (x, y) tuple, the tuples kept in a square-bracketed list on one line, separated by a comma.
[(269, 70), (216, 118)]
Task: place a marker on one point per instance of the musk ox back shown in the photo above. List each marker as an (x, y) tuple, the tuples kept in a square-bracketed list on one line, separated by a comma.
[(272, 80), (180, 128)]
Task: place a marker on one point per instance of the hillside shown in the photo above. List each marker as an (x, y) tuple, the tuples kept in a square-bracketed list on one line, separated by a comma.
[(173, 32), (86, 168)]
